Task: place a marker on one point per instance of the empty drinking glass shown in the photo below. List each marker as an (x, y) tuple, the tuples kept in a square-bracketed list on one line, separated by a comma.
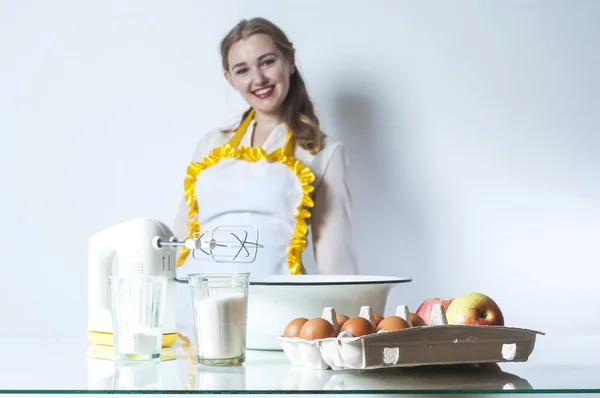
[(137, 306)]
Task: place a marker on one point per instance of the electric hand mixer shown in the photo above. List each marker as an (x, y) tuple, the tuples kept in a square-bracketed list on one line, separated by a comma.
[(148, 247)]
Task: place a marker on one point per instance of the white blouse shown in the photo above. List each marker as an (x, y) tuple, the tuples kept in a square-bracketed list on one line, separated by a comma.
[(330, 221)]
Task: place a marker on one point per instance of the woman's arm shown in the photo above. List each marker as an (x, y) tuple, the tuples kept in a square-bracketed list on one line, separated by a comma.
[(180, 225), (332, 220)]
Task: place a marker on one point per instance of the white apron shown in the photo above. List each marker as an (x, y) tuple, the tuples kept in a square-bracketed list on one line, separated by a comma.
[(246, 187)]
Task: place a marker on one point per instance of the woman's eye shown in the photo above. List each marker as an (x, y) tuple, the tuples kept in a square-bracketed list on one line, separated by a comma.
[(268, 61), (240, 71)]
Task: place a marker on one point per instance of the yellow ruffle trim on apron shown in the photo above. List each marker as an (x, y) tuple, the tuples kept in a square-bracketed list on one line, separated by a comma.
[(254, 154)]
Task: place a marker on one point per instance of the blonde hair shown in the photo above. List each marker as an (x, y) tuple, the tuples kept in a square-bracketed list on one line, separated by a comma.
[(297, 109)]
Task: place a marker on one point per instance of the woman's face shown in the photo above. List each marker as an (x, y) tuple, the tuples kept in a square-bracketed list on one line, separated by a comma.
[(259, 72)]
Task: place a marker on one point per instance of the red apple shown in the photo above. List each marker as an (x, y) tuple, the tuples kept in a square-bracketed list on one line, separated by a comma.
[(474, 309), (424, 310)]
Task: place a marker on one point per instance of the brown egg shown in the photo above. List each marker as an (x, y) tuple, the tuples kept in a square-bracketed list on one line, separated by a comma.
[(392, 323), (416, 320), (293, 328), (378, 318), (317, 328), (358, 326), (341, 318)]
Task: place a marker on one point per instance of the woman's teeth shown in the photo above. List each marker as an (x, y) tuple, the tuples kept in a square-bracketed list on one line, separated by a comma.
[(265, 92)]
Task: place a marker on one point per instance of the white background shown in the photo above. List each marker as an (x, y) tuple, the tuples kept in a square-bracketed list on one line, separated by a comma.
[(472, 130)]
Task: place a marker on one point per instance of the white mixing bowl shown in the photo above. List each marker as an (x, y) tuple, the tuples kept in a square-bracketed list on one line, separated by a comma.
[(275, 300)]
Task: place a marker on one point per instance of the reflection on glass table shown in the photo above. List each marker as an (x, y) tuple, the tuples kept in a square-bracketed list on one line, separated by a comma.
[(565, 365), (105, 375), (220, 379), (463, 377), (138, 377)]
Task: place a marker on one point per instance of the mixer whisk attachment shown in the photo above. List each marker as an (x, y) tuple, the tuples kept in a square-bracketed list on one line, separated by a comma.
[(221, 245), (227, 245)]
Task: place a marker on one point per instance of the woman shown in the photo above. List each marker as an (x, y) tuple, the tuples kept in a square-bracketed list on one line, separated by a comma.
[(273, 169)]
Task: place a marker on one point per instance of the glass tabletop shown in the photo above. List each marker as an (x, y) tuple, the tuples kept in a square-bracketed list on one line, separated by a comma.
[(564, 365)]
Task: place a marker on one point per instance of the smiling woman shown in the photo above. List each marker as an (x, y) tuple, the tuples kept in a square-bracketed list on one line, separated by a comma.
[(261, 74), (259, 62), (273, 170)]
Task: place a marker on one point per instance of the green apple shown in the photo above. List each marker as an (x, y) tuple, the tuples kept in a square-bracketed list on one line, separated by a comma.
[(474, 309)]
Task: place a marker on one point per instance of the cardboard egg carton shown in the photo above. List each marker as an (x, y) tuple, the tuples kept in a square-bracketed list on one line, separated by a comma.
[(436, 344)]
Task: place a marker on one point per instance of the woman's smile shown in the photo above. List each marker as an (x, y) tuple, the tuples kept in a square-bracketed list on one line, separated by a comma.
[(264, 92)]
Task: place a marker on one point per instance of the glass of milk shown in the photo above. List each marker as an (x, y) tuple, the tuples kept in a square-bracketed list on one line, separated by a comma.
[(219, 306), (137, 308)]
